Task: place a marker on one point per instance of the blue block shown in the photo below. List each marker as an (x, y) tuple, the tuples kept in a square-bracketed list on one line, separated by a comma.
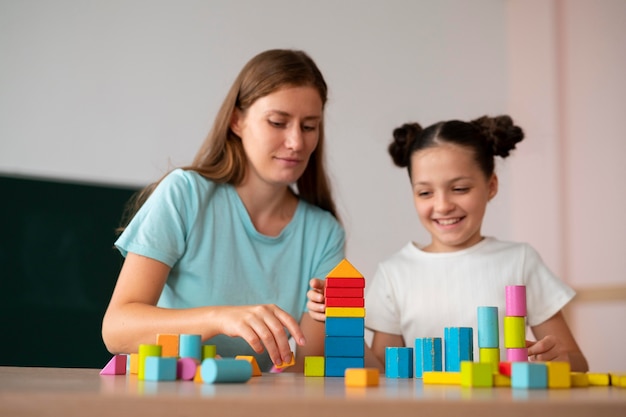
[(345, 326), (459, 346), (190, 346), (344, 346), (225, 370), (488, 327), (529, 375), (336, 366), (157, 368), (427, 355), (399, 362)]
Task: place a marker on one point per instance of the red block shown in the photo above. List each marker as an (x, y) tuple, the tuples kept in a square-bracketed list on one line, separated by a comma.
[(345, 282), (505, 368), (343, 292), (344, 302)]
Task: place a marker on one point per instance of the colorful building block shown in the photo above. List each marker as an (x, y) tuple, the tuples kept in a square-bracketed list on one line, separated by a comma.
[(517, 355), (529, 375), (504, 368), (490, 356), (186, 368), (133, 363), (225, 370), (146, 350), (345, 326), (599, 379), (343, 292), (559, 374), (209, 351), (344, 269), (344, 346), (459, 346), (488, 327), (476, 374), (284, 365), (344, 302), (399, 362), (115, 366), (158, 368), (441, 378), (579, 379), (514, 332), (169, 344), (362, 377), (500, 380), (336, 366), (313, 366), (345, 282), (618, 379), (345, 312), (190, 346), (256, 371), (428, 355), (515, 300)]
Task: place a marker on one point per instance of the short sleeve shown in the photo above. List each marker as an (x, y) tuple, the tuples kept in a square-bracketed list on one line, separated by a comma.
[(381, 311)]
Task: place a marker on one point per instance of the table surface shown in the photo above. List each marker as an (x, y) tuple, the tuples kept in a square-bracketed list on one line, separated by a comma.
[(61, 391)]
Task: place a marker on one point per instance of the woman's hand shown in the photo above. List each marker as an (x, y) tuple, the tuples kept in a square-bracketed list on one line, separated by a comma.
[(316, 301), (261, 326), (547, 349)]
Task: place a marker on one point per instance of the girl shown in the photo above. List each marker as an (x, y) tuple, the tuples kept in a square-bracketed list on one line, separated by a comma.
[(225, 247)]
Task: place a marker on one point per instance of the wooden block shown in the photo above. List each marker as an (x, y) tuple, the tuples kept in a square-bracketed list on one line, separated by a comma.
[(343, 292), (515, 300), (313, 366), (291, 362), (190, 346), (517, 355), (344, 346), (476, 374), (345, 282), (441, 378), (618, 379), (256, 371), (514, 332), (559, 374), (504, 368), (579, 379), (225, 370), (488, 327), (115, 366), (459, 346), (344, 269), (529, 375), (146, 350), (198, 376), (490, 356), (362, 377), (345, 326), (344, 302), (336, 366), (133, 363), (428, 355), (160, 369), (599, 379), (500, 380), (345, 312), (209, 351), (399, 362), (186, 368), (169, 344)]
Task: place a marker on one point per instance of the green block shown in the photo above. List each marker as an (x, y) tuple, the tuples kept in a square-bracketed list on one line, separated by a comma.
[(476, 374)]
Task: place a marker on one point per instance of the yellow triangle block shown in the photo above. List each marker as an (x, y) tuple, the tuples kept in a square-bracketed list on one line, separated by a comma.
[(344, 269), (256, 371)]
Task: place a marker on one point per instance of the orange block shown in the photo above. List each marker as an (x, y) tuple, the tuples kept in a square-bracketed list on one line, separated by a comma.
[(256, 371), (344, 269), (134, 363), (169, 344), (292, 362), (362, 377)]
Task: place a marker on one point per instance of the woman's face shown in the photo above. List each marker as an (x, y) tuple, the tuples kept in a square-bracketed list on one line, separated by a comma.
[(279, 132), (450, 193)]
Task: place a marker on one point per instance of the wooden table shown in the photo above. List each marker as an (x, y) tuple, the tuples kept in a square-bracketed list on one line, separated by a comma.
[(83, 392)]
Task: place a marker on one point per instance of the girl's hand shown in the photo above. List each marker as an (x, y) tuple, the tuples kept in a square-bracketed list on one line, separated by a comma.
[(547, 349), (316, 301), (261, 326)]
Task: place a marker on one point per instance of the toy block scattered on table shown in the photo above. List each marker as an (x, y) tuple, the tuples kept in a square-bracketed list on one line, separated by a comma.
[(133, 363), (362, 377), (209, 351), (190, 346), (115, 366), (399, 362), (599, 379), (146, 350), (529, 375), (284, 365), (158, 368), (500, 380), (579, 379), (186, 368), (169, 344), (504, 368), (256, 371), (476, 374), (441, 378), (618, 379), (427, 355), (345, 326), (336, 366), (313, 366), (459, 346), (559, 374), (225, 370)]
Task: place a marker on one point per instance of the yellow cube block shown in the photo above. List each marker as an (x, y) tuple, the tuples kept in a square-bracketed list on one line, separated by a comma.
[(362, 377), (618, 379), (345, 312), (500, 380), (559, 374), (314, 366), (579, 379), (599, 379), (441, 378)]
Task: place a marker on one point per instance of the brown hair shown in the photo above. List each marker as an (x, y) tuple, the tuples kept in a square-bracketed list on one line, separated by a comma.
[(222, 159)]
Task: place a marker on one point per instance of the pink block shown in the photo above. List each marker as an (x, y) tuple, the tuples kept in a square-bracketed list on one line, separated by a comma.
[(186, 368), (516, 300), (517, 355), (116, 366)]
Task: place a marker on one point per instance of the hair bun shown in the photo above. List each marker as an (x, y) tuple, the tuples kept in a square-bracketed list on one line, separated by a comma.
[(501, 133), (403, 138)]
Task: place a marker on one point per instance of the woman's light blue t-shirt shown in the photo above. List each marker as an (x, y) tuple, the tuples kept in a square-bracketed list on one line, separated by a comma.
[(204, 233)]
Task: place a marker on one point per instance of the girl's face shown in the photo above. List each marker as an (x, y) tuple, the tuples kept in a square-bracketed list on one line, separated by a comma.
[(279, 132), (450, 194)]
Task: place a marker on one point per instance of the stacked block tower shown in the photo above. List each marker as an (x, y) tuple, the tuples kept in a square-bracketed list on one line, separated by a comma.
[(344, 344), (515, 324), (488, 336)]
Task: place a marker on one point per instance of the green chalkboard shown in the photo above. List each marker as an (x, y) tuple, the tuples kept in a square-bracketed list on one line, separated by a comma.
[(58, 268)]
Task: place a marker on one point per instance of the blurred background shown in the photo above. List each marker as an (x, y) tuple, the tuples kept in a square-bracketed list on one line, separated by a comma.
[(107, 96)]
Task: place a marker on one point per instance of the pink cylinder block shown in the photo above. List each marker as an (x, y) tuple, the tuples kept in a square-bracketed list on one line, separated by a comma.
[(517, 355), (516, 300), (186, 368)]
